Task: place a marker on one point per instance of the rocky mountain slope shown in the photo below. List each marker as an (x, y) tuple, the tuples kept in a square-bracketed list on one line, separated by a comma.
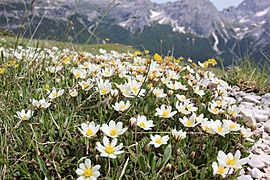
[(185, 27)]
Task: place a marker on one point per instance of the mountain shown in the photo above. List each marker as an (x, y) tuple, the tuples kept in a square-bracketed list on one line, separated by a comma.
[(191, 28), (251, 19)]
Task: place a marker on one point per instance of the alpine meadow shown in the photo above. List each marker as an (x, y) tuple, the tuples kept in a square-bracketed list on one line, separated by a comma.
[(134, 89)]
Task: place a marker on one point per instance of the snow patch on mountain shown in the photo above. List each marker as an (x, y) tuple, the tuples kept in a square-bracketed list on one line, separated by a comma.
[(262, 13), (215, 46)]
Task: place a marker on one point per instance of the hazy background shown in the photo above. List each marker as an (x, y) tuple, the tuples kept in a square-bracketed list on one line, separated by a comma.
[(220, 4)]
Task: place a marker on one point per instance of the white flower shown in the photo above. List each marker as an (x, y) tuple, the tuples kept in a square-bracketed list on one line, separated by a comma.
[(181, 98), (135, 88), (189, 122), (114, 92), (176, 86), (201, 118), (207, 127), (125, 90), (246, 132), (88, 172), (56, 93), (230, 160), (191, 108), (221, 170), (232, 125), (104, 87), (143, 123), (214, 109), (157, 140), (107, 72), (133, 121), (233, 111), (121, 106), (165, 111), (109, 149), (73, 92), (113, 130), (190, 69), (220, 128), (186, 107), (89, 129), (40, 103), (165, 80), (172, 75), (79, 73), (178, 135), (102, 51), (24, 115), (158, 92), (86, 85), (198, 91)]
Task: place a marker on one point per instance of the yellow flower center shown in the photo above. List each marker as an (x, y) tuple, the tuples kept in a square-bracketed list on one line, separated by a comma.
[(231, 162), (135, 89), (77, 74), (219, 103), (88, 172), (142, 125), (89, 132), (219, 129), (123, 106), (232, 126), (113, 132), (158, 93), (109, 149), (85, 85), (221, 170), (55, 94), (165, 114), (24, 117), (215, 110), (189, 107), (189, 123), (103, 90), (158, 141)]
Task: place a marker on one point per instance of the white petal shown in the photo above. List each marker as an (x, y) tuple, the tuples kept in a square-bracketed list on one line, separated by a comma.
[(87, 163), (79, 171), (106, 141), (81, 178), (82, 166)]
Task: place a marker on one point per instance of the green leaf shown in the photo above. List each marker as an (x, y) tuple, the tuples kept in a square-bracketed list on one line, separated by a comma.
[(151, 160), (142, 163), (167, 154), (42, 166)]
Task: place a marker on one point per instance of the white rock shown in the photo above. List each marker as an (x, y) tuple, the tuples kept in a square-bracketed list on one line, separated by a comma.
[(256, 173), (264, 111), (267, 151), (252, 99), (262, 146), (258, 151), (266, 159), (267, 170), (245, 177), (259, 130), (267, 126), (248, 116), (266, 99), (238, 95), (256, 161), (261, 117), (246, 104)]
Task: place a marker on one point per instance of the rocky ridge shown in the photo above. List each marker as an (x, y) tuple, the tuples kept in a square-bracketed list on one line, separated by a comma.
[(255, 111)]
